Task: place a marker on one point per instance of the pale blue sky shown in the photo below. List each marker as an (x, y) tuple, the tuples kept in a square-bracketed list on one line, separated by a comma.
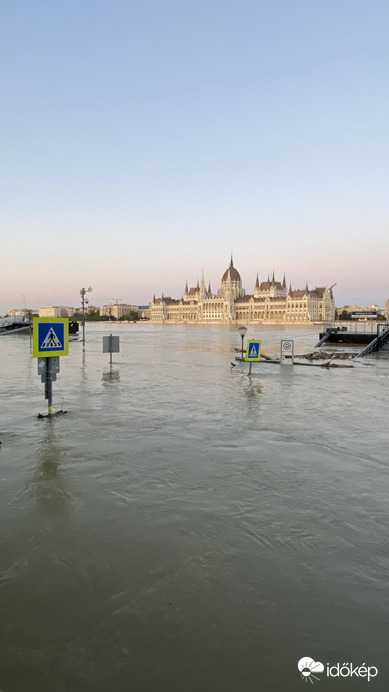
[(143, 141)]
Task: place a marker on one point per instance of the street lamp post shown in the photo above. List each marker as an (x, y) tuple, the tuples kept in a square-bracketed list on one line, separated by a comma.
[(83, 301), (242, 331), (28, 315)]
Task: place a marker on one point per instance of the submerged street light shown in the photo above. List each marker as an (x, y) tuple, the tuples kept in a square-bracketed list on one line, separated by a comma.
[(83, 301), (242, 331)]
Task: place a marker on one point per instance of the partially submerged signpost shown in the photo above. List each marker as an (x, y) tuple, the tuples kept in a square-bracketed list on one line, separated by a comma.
[(111, 345), (253, 352), (287, 350), (50, 340)]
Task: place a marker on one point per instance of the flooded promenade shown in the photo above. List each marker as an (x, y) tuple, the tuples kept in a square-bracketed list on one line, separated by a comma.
[(186, 528)]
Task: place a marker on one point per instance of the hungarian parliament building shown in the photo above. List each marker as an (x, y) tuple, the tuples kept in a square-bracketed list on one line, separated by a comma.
[(271, 302)]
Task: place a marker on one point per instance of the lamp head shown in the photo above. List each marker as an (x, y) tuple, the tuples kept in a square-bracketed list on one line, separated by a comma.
[(242, 330)]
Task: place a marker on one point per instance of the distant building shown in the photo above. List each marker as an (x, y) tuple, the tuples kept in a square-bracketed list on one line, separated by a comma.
[(144, 312), (360, 308), (387, 309), (56, 311), (270, 302), (89, 308), (117, 311), (19, 312)]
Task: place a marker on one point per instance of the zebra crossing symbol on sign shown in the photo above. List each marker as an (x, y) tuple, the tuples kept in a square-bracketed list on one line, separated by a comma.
[(50, 337), (51, 340), (253, 351)]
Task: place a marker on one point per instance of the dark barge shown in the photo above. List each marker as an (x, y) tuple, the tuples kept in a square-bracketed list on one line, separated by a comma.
[(360, 334), (22, 324)]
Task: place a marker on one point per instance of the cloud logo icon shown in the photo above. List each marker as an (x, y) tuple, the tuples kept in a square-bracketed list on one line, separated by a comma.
[(307, 667)]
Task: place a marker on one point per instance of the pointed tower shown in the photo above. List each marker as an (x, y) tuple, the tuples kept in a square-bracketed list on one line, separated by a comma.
[(284, 282), (202, 295), (256, 287)]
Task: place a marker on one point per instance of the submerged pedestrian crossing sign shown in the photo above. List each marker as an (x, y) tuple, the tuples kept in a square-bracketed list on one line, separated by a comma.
[(253, 350), (50, 337)]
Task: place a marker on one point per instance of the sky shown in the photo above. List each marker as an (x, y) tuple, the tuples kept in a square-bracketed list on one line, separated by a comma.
[(143, 142)]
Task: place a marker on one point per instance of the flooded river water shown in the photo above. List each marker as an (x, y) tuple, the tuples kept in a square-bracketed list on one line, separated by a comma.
[(186, 528)]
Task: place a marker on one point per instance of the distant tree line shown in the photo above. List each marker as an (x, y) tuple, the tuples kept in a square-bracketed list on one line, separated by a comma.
[(90, 316), (131, 317)]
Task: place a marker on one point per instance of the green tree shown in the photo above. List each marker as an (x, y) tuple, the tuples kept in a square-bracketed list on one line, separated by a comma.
[(90, 316), (344, 315), (130, 317)]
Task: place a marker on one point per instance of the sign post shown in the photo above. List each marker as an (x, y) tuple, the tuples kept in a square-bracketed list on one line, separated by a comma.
[(110, 345), (287, 351), (253, 352), (50, 339)]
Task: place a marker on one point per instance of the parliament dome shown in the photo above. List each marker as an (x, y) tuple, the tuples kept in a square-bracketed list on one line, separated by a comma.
[(232, 273)]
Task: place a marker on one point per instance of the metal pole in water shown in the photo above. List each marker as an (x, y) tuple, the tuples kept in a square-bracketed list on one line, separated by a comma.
[(83, 317), (30, 330), (84, 300), (49, 388), (242, 331)]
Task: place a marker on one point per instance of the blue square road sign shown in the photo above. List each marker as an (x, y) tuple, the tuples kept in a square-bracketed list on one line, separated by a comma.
[(50, 337), (253, 350)]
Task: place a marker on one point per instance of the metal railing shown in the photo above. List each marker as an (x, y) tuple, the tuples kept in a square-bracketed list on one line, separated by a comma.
[(382, 338)]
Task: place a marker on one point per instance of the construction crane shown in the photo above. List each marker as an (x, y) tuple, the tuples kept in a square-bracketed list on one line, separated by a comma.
[(332, 286), (117, 300)]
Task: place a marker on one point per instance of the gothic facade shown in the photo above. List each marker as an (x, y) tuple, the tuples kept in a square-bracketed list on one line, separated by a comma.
[(271, 302)]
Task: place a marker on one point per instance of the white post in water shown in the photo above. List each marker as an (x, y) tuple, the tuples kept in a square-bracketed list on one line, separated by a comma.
[(287, 350)]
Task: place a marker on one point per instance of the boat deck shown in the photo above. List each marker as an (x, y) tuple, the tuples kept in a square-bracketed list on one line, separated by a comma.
[(351, 333)]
